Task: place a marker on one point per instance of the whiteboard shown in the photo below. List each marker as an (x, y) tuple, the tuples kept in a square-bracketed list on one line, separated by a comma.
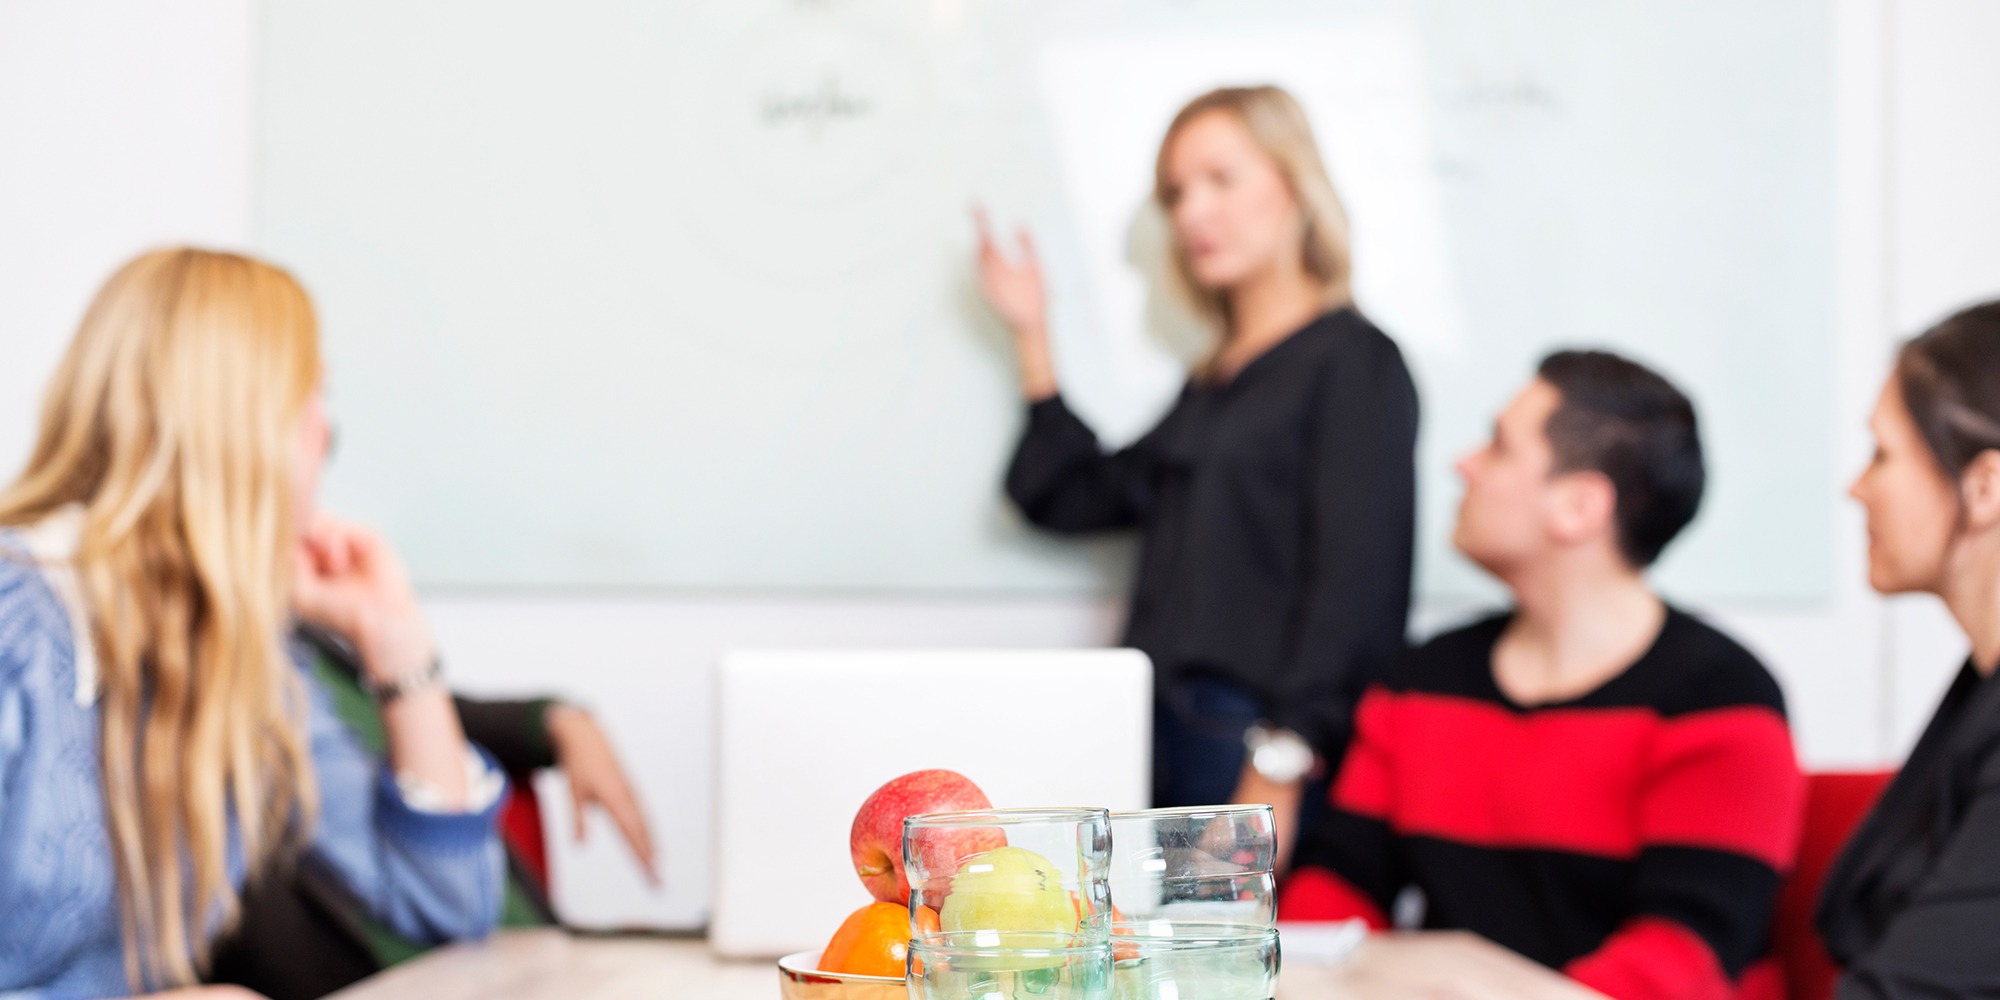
[(628, 294)]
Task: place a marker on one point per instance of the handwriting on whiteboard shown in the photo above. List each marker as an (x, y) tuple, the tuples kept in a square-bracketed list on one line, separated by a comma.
[(813, 111)]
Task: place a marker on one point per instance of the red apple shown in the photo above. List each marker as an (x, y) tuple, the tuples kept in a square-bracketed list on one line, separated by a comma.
[(876, 839)]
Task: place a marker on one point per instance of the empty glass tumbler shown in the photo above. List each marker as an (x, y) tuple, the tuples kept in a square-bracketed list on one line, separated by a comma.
[(1209, 864)]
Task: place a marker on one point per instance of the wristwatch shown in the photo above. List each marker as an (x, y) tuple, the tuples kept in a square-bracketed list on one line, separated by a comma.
[(1279, 755), (390, 691)]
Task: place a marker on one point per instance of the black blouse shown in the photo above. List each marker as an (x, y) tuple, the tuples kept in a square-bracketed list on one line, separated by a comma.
[(1276, 516), (1912, 906)]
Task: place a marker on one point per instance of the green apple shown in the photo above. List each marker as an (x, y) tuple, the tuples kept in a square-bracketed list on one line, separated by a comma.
[(1008, 889)]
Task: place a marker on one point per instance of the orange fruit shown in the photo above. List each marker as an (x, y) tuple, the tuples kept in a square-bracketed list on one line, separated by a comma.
[(872, 941), (1076, 901), (1120, 950), (926, 920)]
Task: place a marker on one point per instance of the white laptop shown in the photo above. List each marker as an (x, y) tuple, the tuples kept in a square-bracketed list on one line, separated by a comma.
[(803, 736)]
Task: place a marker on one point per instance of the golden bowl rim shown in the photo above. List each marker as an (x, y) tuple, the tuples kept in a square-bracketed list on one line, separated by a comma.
[(806, 963)]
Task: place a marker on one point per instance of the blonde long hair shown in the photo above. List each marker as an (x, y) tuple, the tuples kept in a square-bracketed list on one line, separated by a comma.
[(1278, 125), (170, 420)]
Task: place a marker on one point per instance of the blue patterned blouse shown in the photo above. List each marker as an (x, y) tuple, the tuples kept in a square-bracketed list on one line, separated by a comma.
[(430, 876)]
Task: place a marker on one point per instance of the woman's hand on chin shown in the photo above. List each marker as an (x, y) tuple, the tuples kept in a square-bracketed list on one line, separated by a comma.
[(347, 579)]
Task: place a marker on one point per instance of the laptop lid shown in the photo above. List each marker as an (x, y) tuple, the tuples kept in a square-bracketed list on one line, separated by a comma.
[(802, 737)]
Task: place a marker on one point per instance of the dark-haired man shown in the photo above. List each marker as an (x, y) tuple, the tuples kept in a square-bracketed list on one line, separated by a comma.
[(1594, 779)]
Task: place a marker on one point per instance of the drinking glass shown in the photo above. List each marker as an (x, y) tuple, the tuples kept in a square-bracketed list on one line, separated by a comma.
[(1009, 871), (1013, 965), (1206, 864), (1182, 960)]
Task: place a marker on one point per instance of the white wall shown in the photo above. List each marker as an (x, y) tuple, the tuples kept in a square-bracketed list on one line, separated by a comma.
[(1944, 168), (123, 125)]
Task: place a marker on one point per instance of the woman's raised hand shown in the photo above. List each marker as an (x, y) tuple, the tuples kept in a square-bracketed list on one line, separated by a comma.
[(1014, 289)]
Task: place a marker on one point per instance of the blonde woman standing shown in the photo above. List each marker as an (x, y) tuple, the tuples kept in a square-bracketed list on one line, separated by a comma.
[(158, 746), (1275, 502)]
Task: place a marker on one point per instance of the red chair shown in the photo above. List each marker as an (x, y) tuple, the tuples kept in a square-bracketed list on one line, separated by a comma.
[(521, 828), (1835, 804)]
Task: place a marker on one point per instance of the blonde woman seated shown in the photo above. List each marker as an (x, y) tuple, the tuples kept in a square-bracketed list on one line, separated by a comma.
[(157, 746)]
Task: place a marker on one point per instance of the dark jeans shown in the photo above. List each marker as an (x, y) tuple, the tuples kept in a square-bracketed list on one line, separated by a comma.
[(1198, 725), (1198, 754)]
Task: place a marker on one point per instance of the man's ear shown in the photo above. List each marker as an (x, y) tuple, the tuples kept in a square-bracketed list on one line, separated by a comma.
[(1586, 507), (1979, 490)]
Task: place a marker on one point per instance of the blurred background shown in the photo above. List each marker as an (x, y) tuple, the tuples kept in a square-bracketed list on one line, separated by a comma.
[(653, 334)]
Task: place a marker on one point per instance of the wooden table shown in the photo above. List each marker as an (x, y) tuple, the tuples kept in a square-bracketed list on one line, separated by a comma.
[(552, 965), (1435, 965)]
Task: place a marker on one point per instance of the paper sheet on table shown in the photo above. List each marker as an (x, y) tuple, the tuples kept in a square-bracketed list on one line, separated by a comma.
[(1320, 943)]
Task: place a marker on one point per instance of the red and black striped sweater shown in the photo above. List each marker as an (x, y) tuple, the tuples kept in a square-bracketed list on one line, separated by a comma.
[(1633, 838)]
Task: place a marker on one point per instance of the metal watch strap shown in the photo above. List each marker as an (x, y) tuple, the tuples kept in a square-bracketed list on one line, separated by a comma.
[(408, 684)]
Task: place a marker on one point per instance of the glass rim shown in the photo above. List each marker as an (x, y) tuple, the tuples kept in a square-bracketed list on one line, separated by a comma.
[(1189, 812), (1198, 934), (1006, 817), (1246, 873), (944, 943)]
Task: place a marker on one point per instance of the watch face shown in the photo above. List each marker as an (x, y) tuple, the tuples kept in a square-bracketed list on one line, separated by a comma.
[(1282, 760)]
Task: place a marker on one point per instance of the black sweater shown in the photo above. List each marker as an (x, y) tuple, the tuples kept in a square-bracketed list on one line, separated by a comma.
[(1912, 906), (1276, 516)]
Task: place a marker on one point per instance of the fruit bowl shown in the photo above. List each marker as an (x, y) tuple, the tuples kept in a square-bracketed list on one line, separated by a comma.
[(799, 978)]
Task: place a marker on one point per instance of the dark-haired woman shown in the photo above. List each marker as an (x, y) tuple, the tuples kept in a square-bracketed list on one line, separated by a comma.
[(1912, 907)]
